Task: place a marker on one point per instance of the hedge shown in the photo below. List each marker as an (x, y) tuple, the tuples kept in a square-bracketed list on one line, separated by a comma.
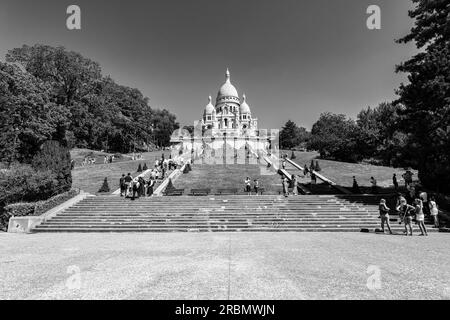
[(22, 209)]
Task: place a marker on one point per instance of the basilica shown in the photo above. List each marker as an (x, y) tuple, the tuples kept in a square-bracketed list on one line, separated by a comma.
[(230, 115)]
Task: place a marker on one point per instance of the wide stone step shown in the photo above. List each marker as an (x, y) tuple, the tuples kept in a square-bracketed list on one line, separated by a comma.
[(188, 218), (306, 229), (215, 214), (212, 222)]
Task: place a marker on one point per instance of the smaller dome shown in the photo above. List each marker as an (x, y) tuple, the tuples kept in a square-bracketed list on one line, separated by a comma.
[(209, 109), (244, 106)]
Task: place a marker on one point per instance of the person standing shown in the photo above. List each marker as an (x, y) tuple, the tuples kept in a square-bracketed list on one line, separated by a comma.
[(135, 187), (128, 179), (141, 187), (163, 173), (406, 212), (384, 215), (305, 170), (313, 178), (395, 182), (283, 164), (411, 193), (426, 207), (420, 217), (294, 185), (122, 185), (373, 182), (434, 211), (247, 186), (407, 176), (256, 186), (150, 185), (285, 186)]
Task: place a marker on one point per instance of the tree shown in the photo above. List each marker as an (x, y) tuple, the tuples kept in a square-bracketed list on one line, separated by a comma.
[(98, 113), (425, 115), (378, 128), (335, 137), (70, 74), (291, 135), (28, 116)]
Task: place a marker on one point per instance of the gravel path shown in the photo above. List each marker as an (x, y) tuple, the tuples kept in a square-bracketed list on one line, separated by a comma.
[(224, 266)]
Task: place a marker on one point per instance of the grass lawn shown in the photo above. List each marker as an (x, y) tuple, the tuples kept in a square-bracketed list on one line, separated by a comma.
[(90, 178), (342, 172), (228, 176)]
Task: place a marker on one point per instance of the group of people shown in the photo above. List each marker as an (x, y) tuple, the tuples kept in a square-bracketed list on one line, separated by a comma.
[(139, 187), (139, 156), (419, 208), (373, 186), (108, 159), (407, 177), (288, 184), (162, 167), (248, 186), (130, 187), (88, 161), (306, 172)]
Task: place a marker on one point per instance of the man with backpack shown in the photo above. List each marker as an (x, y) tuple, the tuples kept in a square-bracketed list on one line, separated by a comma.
[(128, 180), (122, 185)]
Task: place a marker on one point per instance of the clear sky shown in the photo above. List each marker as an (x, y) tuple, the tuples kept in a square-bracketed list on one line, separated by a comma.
[(294, 59)]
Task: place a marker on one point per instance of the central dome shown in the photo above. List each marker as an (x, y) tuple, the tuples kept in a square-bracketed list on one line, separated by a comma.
[(227, 89)]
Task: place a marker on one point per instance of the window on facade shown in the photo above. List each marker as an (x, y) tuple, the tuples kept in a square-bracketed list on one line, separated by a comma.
[(209, 118)]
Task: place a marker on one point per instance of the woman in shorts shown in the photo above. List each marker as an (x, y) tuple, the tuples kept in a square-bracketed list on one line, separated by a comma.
[(406, 213), (434, 211), (420, 217), (248, 188), (384, 215)]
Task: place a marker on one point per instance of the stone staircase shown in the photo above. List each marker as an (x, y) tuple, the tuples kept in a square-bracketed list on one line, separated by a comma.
[(215, 213)]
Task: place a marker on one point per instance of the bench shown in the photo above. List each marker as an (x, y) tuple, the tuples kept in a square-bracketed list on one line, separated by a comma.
[(174, 192), (200, 192), (226, 191), (261, 190)]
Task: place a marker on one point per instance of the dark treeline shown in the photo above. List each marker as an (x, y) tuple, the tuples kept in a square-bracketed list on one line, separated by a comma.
[(49, 93), (412, 131)]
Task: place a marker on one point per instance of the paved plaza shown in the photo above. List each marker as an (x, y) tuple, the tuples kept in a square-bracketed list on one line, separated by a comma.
[(224, 266)]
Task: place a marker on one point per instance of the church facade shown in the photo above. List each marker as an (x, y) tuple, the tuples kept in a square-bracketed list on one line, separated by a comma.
[(230, 115)]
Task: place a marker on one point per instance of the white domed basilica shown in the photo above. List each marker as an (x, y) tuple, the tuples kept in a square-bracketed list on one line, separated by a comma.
[(230, 115)]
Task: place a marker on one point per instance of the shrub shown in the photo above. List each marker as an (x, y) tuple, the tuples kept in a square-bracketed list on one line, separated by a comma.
[(293, 155), (170, 186), (23, 183), (52, 156), (139, 169), (317, 167), (43, 206), (21, 209), (105, 186), (312, 165), (145, 168), (187, 168)]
